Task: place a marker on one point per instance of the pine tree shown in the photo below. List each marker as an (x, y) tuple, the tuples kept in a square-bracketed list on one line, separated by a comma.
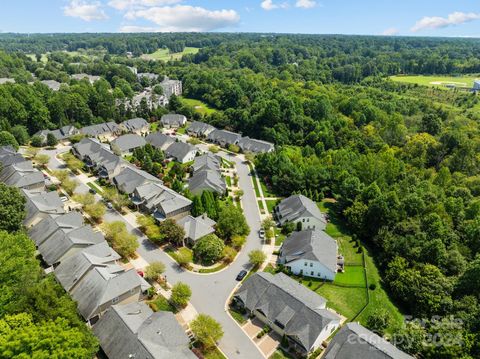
[(197, 207)]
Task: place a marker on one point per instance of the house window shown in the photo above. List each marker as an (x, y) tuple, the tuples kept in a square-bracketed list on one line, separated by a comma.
[(319, 274), (311, 264), (306, 264), (311, 273), (308, 219), (303, 219), (115, 300)]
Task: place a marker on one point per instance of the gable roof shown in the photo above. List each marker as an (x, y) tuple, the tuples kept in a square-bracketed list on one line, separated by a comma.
[(21, 174), (197, 227), (313, 245), (225, 136), (60, 242), (200, 128), (141, 333), (248, 144), (52, 84), (64, 132), (8, 156), (297, 206), (173, 119), (50, 224), (42, 202), (134, 124), (87, 146), (128, 142), (100, 129), (179, 150), (130, 178), (207, 161), (355, 341), (101, 285), (73, 269), (157, 196), (289, 304), (207, 180), (159, 140)]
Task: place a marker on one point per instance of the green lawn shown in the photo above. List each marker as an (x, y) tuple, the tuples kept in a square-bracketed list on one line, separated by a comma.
[(237, 316), (181, 130), (260, 206), (437, 81), (95, 187), (213, 269), (266, 191), (161, 304), (154, 126), (271, 203), (228, 179), (280, 354), (353, 275), (255, 185), (166, 55), (200, 107), (346, 301), (281, 237)]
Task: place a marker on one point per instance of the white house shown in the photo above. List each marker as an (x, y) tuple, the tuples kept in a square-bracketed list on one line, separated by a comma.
[(300, 209), (182, 152)]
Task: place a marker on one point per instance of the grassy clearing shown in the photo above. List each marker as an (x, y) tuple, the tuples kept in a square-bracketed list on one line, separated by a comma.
[(437, 81), (166, 55), (199, 106)]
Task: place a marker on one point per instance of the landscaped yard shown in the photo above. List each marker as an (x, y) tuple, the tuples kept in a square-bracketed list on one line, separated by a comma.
[(345, 300), (271, 203), (166, 55), (279, 237), (353, 275), (266, 191), (239, 317), (199, 106), (160, 303)]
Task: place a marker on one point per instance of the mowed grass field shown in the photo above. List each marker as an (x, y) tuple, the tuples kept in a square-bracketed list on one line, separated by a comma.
[(199, 106), (166, 55), (438, 81)]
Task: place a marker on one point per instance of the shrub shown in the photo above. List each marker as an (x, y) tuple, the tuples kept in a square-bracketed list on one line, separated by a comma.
[(372, 286), (181, 294), (209, 249), (238, 241), (154, 270)]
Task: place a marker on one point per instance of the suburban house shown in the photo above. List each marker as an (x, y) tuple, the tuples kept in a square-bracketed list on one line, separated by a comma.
[(104, 286), (103, 131), (137, 125), (160, 201), (311, 253), (224, 138), (86, 147), (90, 78), (141, 333), (248, 144), (200, 129), (151, 99), (40, 205), (125, 144), (8, 156), (6, 80), (73, 269), (44, 229), (171, 87), (61, 134), (196, 227), (147, 75), (23, 175), (300, 209), (173, 120), (289, 308), (61, 244), (52, 84), (207, 180), (207, 161), (182, 152), (130, 178), (159, 140), (356, 341)]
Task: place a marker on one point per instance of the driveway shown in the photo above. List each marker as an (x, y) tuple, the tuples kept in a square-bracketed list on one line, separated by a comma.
[(209, 292)]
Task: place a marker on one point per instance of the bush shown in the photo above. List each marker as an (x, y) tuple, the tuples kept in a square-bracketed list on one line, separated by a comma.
[(229, 254), (181, 294), (208, 249), (372, 286), (36, 141), (154, 270), (257, 257), (238, 241)]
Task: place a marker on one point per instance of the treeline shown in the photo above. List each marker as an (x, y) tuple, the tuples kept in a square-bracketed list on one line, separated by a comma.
[(38, 319)]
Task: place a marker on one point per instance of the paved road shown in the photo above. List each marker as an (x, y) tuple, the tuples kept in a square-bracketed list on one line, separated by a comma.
[(209, 292)]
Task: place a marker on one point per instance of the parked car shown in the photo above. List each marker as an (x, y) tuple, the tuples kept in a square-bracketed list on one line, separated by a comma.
[(241, 275), (109, 205), (92, 191), (64, 198), (261, 233)]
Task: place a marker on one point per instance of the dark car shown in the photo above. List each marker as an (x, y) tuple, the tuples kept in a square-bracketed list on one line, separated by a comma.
[(92, 191), (241, 275)]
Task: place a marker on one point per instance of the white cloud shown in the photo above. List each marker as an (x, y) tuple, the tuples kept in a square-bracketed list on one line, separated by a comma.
[(270, 5), (306, 4), (436, 22), (129, 4), (87, 11), (185, 18), (390, 32)]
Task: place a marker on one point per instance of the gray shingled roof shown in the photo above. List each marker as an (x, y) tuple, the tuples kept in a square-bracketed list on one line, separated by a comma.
[(74, 268), (8, 156), (197, 227), (159, 140), (91, 78), (43, 202), (296, 206), (100, 129), (224, 137), (283, 300), (21, 174), (59, 243), (173, 120), (52, 84), (157, 196), (131, 178), (207, 180), (207, 161), (200, 128), (179, 150), (86, 147), (50, 224), (313, 245), (101, 285), (134, 330), (355, 341), (135, 124), (64, 132), (128, 142), (248, 144)]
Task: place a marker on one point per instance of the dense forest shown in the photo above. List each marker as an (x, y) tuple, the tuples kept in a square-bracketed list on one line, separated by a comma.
[(401, 160)]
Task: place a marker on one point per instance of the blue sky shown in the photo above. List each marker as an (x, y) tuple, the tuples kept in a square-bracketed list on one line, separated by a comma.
[(375, 17)]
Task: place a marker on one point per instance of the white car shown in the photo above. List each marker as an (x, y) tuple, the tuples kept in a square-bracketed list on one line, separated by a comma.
[(261, 233), (64, 198)]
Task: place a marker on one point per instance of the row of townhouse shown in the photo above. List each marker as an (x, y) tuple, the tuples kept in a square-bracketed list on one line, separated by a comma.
[(225, 138), (207, 175), (109, 296), (18, 172)]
